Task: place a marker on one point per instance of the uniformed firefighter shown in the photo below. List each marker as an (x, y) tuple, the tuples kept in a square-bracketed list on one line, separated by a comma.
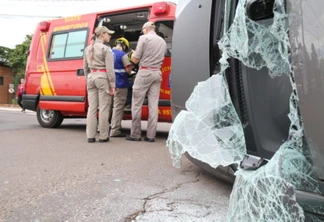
[(149, 54), (100, 75), (122, 70)]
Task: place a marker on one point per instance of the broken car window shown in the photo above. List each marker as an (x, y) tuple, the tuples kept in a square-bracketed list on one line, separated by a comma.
[(210, 130)]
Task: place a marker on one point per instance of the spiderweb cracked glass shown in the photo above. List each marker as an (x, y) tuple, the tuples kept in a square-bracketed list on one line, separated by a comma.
[(210, 129)]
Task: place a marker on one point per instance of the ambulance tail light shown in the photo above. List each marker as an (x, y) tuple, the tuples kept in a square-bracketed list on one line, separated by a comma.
[(44, 26), (160, 8)]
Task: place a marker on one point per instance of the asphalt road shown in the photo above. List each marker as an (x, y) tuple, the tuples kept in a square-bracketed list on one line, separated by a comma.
[(55, 175)]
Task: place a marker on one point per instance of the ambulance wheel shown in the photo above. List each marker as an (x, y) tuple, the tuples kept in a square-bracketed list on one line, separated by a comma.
[(49, 118)]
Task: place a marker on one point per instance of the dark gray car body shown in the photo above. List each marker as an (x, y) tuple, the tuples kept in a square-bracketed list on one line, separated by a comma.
[(306, 27)]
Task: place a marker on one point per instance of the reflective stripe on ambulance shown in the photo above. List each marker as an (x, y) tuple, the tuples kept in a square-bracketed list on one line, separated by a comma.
[(47, 87)]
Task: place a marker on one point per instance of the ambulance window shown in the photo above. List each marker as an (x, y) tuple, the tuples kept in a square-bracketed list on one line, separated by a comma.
[(68, 45), (58, 46), (75, 44)]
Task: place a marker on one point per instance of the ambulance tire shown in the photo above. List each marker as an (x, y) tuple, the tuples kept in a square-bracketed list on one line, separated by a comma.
[(49, 118)]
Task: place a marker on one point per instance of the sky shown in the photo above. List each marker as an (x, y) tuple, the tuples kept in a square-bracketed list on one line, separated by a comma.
[(19, 18)]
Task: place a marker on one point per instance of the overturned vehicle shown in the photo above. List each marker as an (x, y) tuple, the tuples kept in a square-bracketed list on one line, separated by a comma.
[(247, 101)]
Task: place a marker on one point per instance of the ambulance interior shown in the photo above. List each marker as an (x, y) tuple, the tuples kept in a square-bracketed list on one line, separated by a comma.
[(129, 25)]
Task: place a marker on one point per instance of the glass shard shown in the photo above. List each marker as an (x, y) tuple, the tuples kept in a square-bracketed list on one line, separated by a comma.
[(210, 129)]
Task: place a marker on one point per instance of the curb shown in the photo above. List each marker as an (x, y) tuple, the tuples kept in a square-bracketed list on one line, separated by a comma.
[(12, 107)]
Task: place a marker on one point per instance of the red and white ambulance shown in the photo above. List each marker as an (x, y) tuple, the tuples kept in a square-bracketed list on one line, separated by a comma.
[(55, 82)]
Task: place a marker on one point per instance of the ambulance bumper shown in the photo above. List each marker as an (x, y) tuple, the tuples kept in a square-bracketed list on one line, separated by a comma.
[(30, 101)]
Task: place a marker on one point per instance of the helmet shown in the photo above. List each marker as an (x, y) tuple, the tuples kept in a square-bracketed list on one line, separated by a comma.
[(124, 42)]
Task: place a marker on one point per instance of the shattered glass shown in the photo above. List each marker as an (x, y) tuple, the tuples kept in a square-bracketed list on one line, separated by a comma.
[(210, 130), (269, 192), (258, 45), (272, 187), (220, 140)]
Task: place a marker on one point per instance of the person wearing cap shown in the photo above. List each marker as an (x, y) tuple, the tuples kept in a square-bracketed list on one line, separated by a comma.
[(123, 68), (98, 64), (149, 54)]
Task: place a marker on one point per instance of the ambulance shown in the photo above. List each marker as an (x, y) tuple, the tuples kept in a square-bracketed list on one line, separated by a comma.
[(55, 81)]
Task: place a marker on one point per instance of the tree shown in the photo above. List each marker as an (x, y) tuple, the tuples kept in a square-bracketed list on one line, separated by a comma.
[(4, 54), (18, 57)]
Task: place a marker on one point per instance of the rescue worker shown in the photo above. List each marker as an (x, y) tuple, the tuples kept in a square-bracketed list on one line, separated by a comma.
[(149, 54), (123, 68), (99, 71)]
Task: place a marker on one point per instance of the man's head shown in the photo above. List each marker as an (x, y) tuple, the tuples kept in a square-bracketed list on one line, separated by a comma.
[(103, 33), (147, 27), (122, 43)]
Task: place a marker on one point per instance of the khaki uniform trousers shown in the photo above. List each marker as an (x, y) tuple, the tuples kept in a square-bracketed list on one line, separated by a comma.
[(118, 110), (146, 82), (98, 98)]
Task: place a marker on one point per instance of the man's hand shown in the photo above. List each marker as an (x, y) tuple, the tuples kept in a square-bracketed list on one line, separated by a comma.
[(130, 54), (112, 91), (135, 60)]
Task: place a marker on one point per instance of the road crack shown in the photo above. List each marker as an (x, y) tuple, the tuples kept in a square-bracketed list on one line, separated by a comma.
[(133, 217)]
